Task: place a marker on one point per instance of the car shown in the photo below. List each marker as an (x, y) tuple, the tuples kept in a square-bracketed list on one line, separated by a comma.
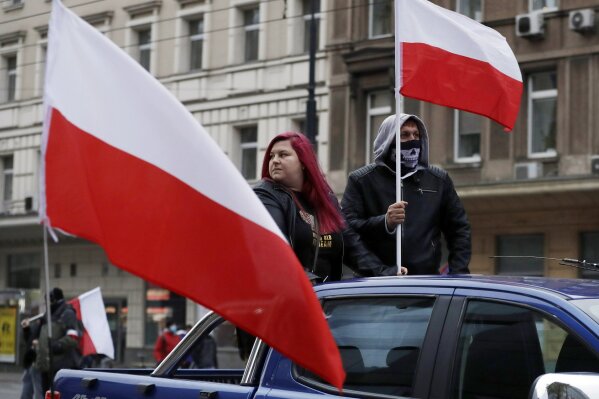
[(419, 337)]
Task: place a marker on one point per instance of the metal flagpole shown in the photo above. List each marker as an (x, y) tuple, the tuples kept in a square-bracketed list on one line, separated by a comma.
[(398, 112)]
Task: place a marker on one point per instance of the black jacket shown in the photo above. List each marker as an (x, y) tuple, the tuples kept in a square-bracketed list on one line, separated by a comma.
[(281, 206), (434, 208), (65, 348)]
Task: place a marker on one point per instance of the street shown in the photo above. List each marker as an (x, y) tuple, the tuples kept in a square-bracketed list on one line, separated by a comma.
[(10, 385)]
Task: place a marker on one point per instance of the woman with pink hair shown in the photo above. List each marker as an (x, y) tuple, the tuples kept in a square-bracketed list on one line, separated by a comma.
[(294, 190)]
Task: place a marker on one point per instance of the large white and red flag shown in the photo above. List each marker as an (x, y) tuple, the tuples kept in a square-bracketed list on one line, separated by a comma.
[(449, 59), (128, 167), (96, 337)]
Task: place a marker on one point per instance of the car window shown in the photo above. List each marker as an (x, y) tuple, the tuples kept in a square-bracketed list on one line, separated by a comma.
[(224, 347), (503, 348), (380, 340)]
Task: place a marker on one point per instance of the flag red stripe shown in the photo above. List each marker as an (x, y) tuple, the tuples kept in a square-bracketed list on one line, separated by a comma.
[(430, 74), (159, 228), (86, 345)]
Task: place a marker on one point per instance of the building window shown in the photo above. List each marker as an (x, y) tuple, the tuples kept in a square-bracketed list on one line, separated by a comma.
[(379, 106), (11, 77), (248, 138), (7, 182), (543, 5), (471, 8), (542, 114), (57, 270), (24, 270), (379, 21), (525, 245), (41, 69), (73, 270), (161, 304), (307, 10), (589, 251), (467, 132), (144, 47), (251, 27), (196, 43)]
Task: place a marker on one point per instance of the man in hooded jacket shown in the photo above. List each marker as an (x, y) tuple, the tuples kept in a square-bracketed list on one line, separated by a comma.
[(430, 205), (63, 348)]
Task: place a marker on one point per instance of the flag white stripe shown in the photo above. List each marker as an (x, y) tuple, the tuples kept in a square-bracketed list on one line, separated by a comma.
[(421, 21), (93, 317), (131, 107)]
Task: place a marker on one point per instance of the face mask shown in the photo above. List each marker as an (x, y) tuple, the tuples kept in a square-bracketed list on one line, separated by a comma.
[(173, 328), (410, 153)]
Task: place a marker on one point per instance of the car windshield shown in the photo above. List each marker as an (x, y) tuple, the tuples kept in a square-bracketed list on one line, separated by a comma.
[(589, 306)]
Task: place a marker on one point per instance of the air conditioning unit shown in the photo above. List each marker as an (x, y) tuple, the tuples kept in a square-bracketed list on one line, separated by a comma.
[(582, 21), (528, 170), (530, 25)]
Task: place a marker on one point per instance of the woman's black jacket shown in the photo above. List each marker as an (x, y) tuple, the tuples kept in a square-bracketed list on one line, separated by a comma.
[(281, 206)]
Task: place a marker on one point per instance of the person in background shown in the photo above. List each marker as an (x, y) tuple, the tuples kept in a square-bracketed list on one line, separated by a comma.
[(204, 353), (62, 351), (430, 205), (32, 380), (294, 191), (166, 341)]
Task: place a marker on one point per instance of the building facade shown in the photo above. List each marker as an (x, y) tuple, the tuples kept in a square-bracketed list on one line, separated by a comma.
[(533, 191), (239, 66)]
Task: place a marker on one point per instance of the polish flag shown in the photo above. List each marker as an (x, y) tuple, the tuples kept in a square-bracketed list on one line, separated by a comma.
[(449, 59), (91, 312), (128, 167)]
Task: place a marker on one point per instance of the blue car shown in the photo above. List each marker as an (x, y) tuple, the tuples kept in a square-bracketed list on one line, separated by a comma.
[(416, 337)]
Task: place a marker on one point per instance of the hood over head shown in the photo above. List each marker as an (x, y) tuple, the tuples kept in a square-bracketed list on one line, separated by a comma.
[(386, 136)]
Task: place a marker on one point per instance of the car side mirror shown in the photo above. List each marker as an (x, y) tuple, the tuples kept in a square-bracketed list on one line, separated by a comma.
[(565, 386)]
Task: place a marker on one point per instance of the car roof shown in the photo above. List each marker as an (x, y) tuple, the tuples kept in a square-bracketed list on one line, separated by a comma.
[(565, 288)]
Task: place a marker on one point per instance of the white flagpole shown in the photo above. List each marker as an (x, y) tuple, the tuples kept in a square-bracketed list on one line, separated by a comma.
[(398, 112), (47, 275)]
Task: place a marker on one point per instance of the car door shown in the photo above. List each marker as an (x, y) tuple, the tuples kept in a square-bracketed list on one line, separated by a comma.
[(387, 341), (498, 343)]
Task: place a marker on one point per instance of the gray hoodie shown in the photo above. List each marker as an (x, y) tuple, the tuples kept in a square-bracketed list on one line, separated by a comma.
[(386, 135)]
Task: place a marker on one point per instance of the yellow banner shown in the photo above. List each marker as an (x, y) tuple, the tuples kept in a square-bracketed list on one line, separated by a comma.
[(8, 334)]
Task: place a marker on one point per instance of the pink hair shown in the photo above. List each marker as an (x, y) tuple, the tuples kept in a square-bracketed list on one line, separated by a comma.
[(316, 189)]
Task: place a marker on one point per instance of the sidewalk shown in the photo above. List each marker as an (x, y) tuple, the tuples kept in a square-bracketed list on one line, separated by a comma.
[(10, 385)]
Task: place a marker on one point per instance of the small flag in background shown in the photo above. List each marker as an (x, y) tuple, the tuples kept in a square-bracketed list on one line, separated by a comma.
[(96, 337), (128, 167), (452, 60)]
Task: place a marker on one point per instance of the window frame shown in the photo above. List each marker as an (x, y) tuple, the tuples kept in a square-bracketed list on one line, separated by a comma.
[(371, 34), (482, 10), (197, 37), (250, 28), (248, 146), (457, 135), (544, 9), (11, 76), (539, 95), (370, 112), (141, 48), (8, 176)]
